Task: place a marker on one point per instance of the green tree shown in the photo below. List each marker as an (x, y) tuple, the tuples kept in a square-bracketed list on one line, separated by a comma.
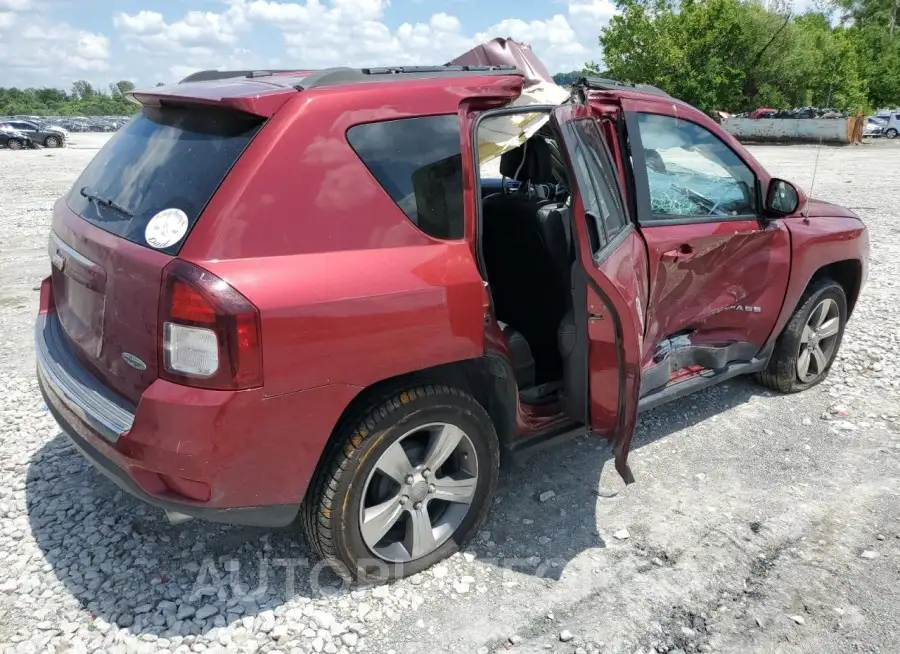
[(738, 55), (83, 90), (83, 101), (121, 88)]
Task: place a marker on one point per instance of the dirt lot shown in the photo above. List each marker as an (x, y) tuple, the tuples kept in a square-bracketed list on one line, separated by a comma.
[(758, 523)]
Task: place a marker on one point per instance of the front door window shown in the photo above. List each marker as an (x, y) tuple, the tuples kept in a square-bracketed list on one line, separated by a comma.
[(693, 174)]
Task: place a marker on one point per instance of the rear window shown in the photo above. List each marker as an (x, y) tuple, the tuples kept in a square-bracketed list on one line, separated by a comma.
[(163, 158), (418, 163)]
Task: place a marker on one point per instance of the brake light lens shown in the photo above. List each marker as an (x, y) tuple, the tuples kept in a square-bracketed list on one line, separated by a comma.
[(209, 333)]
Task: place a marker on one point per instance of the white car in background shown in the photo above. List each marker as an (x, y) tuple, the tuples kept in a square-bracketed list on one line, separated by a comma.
[(874, 127), (891, 121)]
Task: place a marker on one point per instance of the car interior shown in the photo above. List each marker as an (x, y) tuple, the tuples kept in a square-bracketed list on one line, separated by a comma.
[(529, 255)]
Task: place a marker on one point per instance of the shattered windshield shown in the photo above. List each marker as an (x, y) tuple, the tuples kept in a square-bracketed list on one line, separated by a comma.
[(691, 172)]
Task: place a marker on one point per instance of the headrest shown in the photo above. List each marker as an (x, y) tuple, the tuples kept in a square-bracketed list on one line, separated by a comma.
[(537, 167)]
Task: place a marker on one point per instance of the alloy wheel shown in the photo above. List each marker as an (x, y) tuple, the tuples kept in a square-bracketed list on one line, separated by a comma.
[(14, 144), (52, 142), (419, 492), (891, 133), (819, 340)]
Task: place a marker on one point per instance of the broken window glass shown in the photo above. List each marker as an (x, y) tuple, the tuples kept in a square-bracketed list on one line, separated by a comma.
[(691, 173)]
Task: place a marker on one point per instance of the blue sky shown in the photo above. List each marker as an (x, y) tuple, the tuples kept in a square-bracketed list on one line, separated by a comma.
[(54, 42)]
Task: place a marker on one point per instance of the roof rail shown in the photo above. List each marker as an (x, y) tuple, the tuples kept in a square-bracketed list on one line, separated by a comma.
[(210, 75), (335, 76), (606, 84)]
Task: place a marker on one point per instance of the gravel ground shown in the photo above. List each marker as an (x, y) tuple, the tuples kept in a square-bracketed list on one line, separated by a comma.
[(758, 523)]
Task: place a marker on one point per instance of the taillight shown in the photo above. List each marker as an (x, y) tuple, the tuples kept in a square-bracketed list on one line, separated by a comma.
[(209, 333)]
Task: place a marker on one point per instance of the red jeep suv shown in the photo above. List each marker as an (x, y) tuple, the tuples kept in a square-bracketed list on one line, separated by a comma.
[(301, 294)]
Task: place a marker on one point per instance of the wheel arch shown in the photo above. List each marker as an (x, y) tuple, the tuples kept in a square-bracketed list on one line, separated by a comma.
[(489, 379), (848, 273)]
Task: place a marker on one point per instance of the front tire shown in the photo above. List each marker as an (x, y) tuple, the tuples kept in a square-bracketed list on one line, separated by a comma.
[(405, 486), (810, 341), (52, 142), (891, 133), (15, 144)]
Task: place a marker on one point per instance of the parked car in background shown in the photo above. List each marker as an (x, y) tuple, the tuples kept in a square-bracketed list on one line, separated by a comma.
[(874, 127), (891, 123), (14, 139), (762, 112), (49, 137)]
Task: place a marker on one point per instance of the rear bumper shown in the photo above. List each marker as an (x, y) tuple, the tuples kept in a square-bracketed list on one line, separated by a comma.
[(254, 455), (76, 388), (259, 516)]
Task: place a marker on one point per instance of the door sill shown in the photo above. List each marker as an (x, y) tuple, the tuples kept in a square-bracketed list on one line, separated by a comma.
[(548, 438), (701, 381)]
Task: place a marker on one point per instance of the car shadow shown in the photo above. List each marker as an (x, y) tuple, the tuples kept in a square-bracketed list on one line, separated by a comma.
[(127, 566)]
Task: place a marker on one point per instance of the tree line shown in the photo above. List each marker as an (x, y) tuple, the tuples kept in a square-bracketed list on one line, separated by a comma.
[(737, 55), (83, 100)]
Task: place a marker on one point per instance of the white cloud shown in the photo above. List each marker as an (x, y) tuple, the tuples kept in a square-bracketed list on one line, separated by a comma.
[(37, 52), (554, 35), (150, 45), (15, 5), (148, 30), (594, 12)]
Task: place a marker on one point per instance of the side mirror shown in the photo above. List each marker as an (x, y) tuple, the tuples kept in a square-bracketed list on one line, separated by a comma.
[(783, 198)]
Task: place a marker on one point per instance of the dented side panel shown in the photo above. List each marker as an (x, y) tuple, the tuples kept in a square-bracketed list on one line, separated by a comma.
[(730, 291)]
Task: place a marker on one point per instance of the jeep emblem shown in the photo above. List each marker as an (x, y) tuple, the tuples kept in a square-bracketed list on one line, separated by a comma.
[(134, 361)]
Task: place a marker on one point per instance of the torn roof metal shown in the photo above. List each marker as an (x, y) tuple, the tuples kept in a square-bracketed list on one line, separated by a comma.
[(501, 134)]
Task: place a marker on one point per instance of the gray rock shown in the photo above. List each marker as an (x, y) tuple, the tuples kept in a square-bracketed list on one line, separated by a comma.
[(565, 636), (206, 611), (185, 611)]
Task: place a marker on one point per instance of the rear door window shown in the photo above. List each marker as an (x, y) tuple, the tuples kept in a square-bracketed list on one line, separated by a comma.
[(163, 158), (418, 163)]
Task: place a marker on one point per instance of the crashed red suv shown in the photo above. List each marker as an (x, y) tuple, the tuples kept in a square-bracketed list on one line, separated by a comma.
[(305, 294)]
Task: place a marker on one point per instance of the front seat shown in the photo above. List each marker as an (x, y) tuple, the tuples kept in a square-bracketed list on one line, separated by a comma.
[(526, 287)]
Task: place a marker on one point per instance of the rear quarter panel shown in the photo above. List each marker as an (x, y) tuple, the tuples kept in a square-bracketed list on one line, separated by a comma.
[(362, 316)]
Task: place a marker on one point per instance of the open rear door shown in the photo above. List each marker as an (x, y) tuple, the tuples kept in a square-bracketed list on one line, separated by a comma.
[(609, 278)]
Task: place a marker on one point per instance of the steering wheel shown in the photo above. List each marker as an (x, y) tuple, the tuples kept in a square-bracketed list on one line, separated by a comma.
[(710, 206)]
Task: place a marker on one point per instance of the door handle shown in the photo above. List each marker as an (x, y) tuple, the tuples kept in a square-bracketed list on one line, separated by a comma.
[(684, 252)]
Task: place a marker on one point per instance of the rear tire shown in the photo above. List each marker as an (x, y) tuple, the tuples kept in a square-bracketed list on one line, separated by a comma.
[(810, 341), (423, 527)]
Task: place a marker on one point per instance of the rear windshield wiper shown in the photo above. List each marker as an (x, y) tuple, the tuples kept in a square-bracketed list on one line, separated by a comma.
[(90, 194)]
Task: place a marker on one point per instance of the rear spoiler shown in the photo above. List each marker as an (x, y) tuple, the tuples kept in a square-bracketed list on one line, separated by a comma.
[(249, 95)]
